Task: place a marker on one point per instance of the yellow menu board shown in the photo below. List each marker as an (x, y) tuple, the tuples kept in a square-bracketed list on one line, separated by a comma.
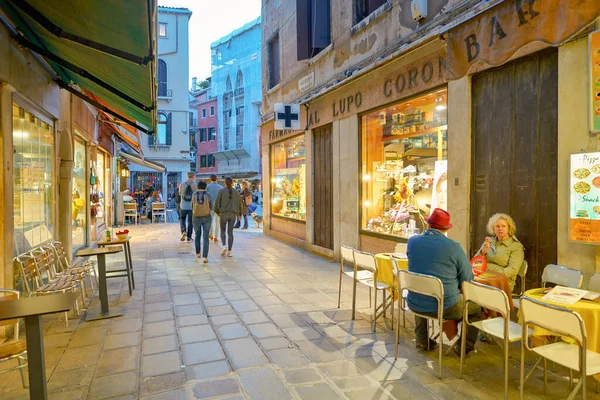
[(584, 210), (594, 59)]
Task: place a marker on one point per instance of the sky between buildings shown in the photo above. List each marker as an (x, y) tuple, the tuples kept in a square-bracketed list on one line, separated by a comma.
[(211, 20)]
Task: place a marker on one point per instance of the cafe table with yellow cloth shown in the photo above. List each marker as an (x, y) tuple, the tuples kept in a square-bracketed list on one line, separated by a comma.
[(385, 272), (589, 312)]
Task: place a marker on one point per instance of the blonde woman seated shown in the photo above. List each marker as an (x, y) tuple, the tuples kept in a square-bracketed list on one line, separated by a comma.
[(503, 251)]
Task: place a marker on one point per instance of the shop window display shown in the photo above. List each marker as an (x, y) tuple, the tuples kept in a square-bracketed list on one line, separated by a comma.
[(33, 142), (80, 184), (404, 153), (288, 178)]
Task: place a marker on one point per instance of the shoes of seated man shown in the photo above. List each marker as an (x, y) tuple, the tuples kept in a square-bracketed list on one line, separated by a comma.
[(423, 345)]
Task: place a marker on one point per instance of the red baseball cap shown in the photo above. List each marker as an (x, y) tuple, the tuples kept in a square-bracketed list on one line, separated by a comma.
[(439, 219)]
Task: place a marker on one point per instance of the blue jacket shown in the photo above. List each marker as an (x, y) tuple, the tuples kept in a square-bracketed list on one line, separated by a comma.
[(432, 253)]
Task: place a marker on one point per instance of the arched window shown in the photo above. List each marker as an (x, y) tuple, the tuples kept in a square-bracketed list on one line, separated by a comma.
[(239, 83), (163, 130), (227, 106), (162, 78)]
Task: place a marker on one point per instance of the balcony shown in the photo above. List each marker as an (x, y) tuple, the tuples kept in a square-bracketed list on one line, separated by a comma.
[(165, 94)]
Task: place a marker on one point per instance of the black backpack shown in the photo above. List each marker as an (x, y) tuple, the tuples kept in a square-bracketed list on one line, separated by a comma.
[(187, 196)]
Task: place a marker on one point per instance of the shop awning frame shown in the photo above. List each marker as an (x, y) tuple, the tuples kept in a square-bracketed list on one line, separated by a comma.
[(144, 163), (228, 155), (105, 47)]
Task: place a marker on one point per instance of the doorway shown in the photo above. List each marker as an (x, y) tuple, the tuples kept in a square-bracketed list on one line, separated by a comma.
[(323, 186)]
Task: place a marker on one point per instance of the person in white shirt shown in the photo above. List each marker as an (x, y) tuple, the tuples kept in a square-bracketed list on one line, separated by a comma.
[(213, 189)]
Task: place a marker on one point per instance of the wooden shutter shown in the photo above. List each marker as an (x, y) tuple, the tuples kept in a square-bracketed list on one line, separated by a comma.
[(320, 24), (151, 140), (304, 45), (169, 130)]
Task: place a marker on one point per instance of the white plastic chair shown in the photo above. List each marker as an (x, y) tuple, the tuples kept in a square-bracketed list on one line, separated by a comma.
[(427, 286), (594, 285), (562, 276), (402, 297), (521, 275), (346, 256), (365, 272), (159, 210), (564, 322), (401, 248), (130, 210), (493, 299)]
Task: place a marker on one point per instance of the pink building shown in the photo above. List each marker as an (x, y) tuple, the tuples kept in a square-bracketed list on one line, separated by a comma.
[(207, 132)]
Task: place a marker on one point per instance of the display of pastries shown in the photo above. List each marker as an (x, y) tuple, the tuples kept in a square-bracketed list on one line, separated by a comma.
[(582, 173), (582, 187)]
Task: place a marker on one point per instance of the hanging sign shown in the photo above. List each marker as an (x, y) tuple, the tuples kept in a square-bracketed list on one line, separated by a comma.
[(594, 68), (287, 116), (584, 208)]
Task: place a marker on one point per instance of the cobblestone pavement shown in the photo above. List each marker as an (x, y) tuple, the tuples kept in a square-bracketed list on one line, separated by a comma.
[(261, 325)]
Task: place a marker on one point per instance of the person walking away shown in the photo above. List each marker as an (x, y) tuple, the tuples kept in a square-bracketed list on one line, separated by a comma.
[(432, 253), (228, 207), (186, 191), (178, 199), (202, 206), (246, 201), (213, 189)]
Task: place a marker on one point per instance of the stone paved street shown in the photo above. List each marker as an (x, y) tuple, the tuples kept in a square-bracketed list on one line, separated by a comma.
[(261, 325)]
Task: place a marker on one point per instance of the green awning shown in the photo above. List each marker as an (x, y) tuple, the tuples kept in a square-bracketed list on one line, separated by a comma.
[(103, 46)]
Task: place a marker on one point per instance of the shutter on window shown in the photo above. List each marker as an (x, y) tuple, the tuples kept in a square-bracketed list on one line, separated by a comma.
[(169, 135), (375, 4), (151, 140), (320, 23), (303, 29)]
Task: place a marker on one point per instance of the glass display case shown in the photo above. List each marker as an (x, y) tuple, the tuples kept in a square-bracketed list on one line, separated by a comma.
[(288, 178), (404, 152)]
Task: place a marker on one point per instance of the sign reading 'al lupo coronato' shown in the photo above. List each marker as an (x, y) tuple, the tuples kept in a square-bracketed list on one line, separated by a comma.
[(495, 35)]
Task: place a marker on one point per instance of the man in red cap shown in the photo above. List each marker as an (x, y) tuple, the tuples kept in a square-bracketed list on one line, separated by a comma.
[(432, 253)]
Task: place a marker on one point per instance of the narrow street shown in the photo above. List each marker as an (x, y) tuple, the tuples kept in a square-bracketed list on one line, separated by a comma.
[(263, 324)]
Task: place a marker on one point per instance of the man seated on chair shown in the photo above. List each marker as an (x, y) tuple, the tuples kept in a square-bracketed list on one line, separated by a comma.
[(432, 253)]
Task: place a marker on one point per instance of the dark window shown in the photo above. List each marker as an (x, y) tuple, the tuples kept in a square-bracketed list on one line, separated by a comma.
[(202, 135), (204, 113), (274, 67), (364, 8), (163, 134), (211, 160), (192, 119), (212, 134), (162, 78), (212, 110), (313, 24), (203, 161)]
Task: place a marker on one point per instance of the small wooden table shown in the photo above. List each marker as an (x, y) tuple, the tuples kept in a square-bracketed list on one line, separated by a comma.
[(100, 253), (32, 309), (128, 271)]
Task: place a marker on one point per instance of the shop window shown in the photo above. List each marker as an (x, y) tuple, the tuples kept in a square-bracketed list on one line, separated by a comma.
[(313, 24), (202, 135), (162, 29), (33, 194), (203, 161), (288, 178), (162, 78), (404, 162), (212, 134), (364, 8), (79, 196), (274, 66)]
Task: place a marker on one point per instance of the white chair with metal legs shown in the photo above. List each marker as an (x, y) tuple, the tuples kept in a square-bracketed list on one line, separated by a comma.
[(493, 299), (15, 348), (427, 286), (563, 322), (521, 276), (594, 285), (367, 264), (562, 276), (130, 210), (159, 210), (401, 248), (402, 306), (346, 268)]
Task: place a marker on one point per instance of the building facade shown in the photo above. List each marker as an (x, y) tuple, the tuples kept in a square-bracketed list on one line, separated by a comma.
[(171, 145), (236, 84), (207, 123), (401, 115)]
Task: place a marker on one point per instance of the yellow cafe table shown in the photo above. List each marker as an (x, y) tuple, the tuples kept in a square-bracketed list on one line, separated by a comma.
[(589, 312)]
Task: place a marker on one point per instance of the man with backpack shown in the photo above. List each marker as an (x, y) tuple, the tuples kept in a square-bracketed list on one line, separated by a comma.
[(201, 208), (186, 191)]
